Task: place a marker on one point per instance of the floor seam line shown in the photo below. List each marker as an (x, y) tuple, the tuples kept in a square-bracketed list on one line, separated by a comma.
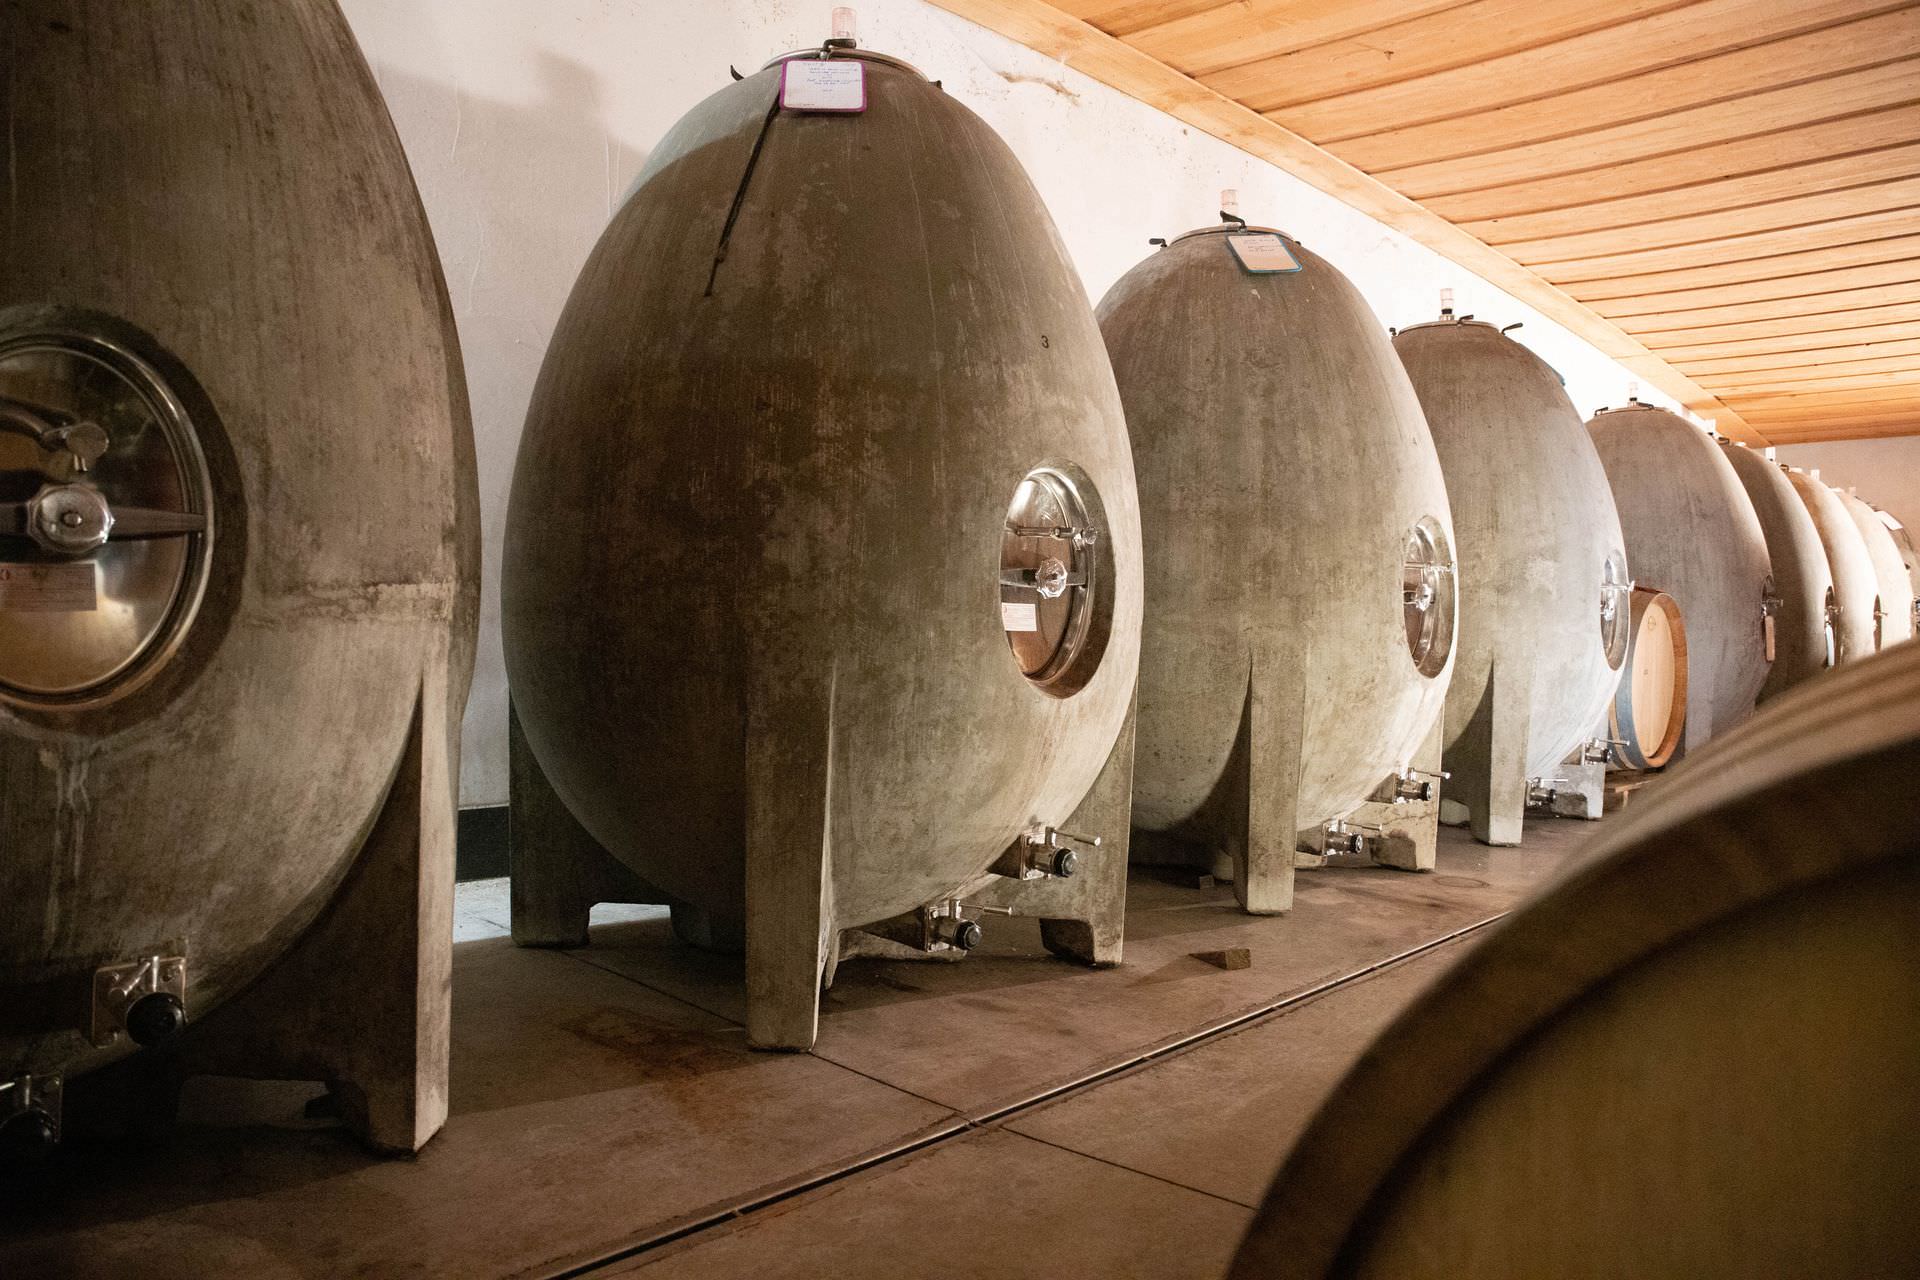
[(583, 955), (1115, 1164), (949, 1108), (995, 1117)]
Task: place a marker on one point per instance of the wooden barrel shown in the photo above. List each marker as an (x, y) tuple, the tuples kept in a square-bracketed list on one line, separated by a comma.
[(1650, 707), (1691, 1057)]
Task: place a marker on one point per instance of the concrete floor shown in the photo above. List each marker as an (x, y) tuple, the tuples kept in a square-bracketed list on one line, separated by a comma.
[(607, 1115)]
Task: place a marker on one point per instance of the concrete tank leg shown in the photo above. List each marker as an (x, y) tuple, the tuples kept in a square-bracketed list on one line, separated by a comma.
[(790, 932), (559, 872), (363, 1001), (1489, 761), (1262, 830), (1084, 918), (1410, 831)]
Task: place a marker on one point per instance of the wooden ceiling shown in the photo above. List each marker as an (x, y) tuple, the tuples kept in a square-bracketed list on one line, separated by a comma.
[(1724, 195)]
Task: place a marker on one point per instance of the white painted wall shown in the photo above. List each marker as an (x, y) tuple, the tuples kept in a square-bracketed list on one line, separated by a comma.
[(527, 120), (1886, 472)]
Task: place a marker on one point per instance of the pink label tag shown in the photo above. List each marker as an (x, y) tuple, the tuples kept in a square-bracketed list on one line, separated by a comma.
[(823, 84)]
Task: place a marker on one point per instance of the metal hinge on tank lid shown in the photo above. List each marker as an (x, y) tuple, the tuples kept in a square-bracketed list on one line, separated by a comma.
[(145, 998), (29, 1118)]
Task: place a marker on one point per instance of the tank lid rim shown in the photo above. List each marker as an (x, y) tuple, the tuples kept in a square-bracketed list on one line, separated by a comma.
[(1461, 322), (1231, 228), (838, 51)]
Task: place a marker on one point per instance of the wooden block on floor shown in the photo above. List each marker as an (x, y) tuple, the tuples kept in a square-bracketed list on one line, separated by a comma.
[(1231, 958)]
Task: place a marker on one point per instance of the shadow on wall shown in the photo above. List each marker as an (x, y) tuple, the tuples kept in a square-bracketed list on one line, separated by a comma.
[(517, 193)]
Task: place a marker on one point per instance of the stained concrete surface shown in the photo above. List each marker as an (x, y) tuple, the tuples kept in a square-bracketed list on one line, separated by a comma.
[(990, 1206), (1219, 1117), (604, 1098), (1152, 1174)]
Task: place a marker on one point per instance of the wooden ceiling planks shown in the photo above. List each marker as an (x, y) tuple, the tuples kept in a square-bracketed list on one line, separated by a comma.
[(1724, 195)]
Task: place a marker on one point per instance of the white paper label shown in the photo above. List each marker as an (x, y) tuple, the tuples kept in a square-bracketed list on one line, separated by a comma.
[(823, 84), (1263, 254), (49, 588), (1019, 615)]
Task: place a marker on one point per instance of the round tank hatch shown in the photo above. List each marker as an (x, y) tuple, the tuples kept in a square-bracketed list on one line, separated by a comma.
[(1049, 580), (1428, 596), (1830, 625), (1616, 608), (105, 517)]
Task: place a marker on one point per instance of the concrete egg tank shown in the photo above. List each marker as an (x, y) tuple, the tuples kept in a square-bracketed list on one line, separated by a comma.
[(821, 593), (238, 566), (1856, 587), (1299, 637), (1691, 532), (1544, 577), (1909, 554), (1895, 619), (1805, 628)]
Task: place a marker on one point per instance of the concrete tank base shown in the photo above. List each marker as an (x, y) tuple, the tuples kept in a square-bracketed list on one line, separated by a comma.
[(792, 937), (1581, 790), (362, 1002)]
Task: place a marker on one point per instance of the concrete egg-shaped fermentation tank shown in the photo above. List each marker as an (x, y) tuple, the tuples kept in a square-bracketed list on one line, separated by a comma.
[(821, 590), (238, 566), (1544, 578), (1299, 552), (1805, 627), (1895, 619), (1909, 554), (1691, 532), (1856, 587)]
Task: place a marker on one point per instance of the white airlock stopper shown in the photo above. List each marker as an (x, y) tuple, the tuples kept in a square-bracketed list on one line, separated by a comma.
[(843, 22), (1230, 201), (1446, 302)]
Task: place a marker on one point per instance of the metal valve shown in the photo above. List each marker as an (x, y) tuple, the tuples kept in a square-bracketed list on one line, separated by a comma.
[(1599, 750), (1543, 791), (956, 931), (1041, 852), (1341, 836), (1411, 784), (145, 998), (1054, 861), (29, 1118)]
